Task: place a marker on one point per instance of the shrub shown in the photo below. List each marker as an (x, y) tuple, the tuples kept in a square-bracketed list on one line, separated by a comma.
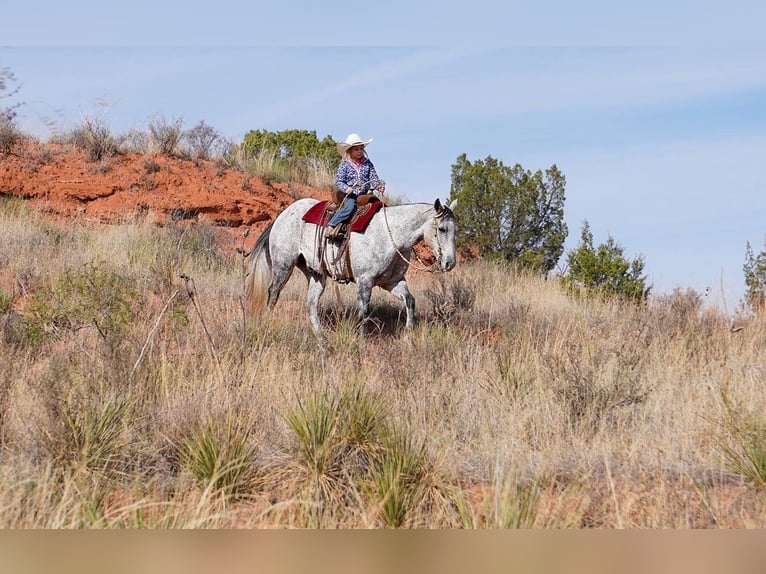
[(453, 295), (135, 141), (592, 389), (95, 138), (678, 310), (9, 133), (95, 295), (165, 135), (151, 166), (204, 141), (291, 155)]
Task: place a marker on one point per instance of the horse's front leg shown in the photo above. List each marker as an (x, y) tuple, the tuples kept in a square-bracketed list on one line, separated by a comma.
[(401, 291)]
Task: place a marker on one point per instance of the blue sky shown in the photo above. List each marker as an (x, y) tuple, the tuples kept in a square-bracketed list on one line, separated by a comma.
[(662, 138)]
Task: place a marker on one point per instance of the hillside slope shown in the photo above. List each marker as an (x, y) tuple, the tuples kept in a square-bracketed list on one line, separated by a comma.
[(61, 182)]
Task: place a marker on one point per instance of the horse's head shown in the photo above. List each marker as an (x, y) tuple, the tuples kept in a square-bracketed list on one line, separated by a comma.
[(440, 237)]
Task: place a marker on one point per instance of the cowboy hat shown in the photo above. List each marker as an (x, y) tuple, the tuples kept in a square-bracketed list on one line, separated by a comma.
[(351, 141)]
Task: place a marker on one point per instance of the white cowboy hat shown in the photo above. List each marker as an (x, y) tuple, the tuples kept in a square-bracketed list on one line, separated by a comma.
[(351, 141)]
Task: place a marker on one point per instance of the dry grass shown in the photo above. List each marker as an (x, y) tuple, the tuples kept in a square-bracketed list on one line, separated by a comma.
[(132, 398)]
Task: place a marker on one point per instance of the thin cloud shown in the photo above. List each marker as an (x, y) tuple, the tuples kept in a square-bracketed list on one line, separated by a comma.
[(378, 78)]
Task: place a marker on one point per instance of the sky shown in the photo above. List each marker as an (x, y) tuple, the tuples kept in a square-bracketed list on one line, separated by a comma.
[(655, 114)]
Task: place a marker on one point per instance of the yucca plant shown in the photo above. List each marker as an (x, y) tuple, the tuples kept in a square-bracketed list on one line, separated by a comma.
[(396, 478), (220, 456), (314, 423), (95, 430), (743, 442), (363, 423)]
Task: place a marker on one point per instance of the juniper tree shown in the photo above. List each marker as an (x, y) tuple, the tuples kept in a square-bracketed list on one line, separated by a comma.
[(755, 278), (604, 270), (291, 144)]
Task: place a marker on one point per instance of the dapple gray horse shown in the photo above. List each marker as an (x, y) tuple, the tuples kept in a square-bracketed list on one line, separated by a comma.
[(378, 257)]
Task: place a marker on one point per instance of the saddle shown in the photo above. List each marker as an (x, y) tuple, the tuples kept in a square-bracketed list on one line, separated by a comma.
[(338, 266), (361, 200), (366, 206)]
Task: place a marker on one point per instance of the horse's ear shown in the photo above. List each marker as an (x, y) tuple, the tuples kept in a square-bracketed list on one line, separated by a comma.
[(438, 206), (453, 205)]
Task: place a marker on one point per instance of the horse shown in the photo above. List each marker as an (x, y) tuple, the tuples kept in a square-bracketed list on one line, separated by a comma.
[(379, 257)]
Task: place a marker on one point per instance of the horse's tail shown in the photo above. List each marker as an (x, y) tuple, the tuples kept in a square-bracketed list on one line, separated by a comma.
[(258, 280)]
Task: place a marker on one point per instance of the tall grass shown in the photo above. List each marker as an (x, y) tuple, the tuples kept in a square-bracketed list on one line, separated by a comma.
[(125, 402)]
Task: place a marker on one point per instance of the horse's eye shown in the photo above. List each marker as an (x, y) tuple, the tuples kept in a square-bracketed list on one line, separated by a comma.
[(442, 229)]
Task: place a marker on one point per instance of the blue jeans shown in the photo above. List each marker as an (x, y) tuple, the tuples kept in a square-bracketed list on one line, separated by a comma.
[(345, 212)]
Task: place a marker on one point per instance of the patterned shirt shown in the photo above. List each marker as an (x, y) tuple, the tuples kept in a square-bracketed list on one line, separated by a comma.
[(350, 174)]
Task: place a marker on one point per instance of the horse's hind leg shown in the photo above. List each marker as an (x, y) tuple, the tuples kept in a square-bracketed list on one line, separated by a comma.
[(363, 294), (401, 291), (279, 276), (313, 294)]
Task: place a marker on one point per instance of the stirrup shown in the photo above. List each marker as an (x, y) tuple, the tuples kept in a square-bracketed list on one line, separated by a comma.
[(335, 232)]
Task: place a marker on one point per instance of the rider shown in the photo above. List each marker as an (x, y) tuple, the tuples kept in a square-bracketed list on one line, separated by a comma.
[(355, 176)]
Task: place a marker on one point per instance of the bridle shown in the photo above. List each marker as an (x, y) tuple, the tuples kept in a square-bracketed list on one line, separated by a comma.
[(445, 212)]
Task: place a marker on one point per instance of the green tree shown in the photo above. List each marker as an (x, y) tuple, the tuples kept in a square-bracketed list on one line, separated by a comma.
[(755, 278), (290, 144), (604, 270), (510, 213)]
